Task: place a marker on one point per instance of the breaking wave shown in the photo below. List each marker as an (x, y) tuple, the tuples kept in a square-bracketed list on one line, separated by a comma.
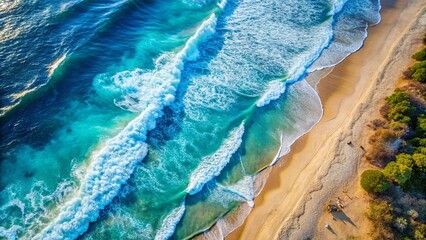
[(113, 165)]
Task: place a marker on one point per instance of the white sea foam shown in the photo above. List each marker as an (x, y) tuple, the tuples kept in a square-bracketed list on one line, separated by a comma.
[(349, 32), (17, 97), (56, 64), (330, 55), (337, 6), (244, 189), (127, 224), (274, 90), (113, 165), (281, 151), (144, 92), (137, 87), (222, 4), (249, 187), (322, 58), (226, 225), (10, 233), (308, 100), (169, 223), (211, 166)]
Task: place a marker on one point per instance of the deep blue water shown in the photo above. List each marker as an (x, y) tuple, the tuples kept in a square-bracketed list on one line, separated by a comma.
[(150, 119)]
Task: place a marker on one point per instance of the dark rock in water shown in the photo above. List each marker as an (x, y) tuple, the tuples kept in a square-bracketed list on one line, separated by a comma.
[(68, 130), (28, 174)]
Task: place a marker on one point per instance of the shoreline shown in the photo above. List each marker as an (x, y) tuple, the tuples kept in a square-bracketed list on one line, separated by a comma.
[(306, 177)]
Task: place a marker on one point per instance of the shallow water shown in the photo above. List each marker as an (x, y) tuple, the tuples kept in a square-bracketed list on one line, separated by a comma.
[(149, 119)]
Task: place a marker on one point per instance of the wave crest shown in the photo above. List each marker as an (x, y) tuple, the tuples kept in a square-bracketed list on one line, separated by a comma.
[(211, 166), (113, 165)]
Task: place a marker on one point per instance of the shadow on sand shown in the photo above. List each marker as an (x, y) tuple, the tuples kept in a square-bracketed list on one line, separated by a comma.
[(331, 229), (342, 217)]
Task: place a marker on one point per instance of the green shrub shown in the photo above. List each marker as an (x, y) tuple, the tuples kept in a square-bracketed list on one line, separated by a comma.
[(398, 172), (420, 75), (420, 232), (380, 213), (400, 112), (420, 55), (400, 107), (421, 150), (397, 97), (421, 125), (422, 142), (399, 127), (420, 161), (408, 74), (417, 143), (418, 66), (405, 159), (416, 72), (373, 181)]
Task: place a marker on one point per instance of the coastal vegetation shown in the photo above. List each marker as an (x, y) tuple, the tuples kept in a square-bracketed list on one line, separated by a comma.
[(397, 185), (420, 55), (374, 181)]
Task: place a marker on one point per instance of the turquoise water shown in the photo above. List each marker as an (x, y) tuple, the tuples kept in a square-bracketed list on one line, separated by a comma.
[(150, 119)]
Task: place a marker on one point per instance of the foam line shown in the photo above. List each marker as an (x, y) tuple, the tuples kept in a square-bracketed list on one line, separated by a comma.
[(243, 188), (346, 41), (169, 223), (211, 166), (280, 151), (56, 64), (11, 233), (276, 88), (113, 165)]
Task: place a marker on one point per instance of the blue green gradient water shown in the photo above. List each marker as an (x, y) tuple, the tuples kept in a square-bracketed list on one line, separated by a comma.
[(149, 119)]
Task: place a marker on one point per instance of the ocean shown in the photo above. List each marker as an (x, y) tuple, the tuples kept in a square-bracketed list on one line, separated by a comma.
[(151, 119)]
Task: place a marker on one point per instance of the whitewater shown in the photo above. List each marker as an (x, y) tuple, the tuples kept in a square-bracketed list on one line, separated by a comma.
[(153, 122)]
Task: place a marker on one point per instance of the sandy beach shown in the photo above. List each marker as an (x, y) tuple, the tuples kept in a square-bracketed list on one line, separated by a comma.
[(322, 162)]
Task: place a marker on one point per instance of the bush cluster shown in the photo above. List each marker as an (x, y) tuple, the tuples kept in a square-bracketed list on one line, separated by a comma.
[(418, 70), (400, 107), (398, 146), (420, 55), (374, 181), (380, 213)]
